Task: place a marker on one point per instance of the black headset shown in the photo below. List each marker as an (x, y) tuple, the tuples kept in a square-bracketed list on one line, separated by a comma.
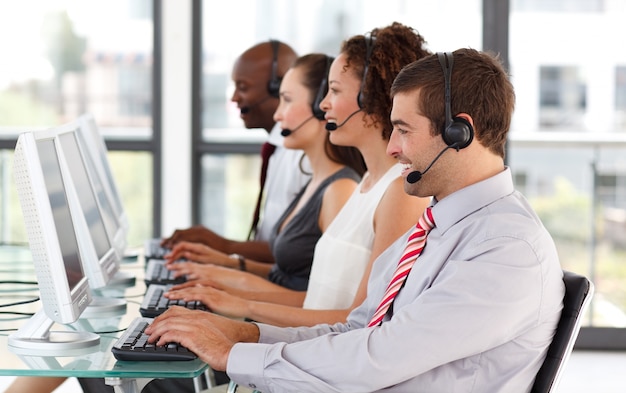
[(369, 47), (321, 92), (273, 85), (458, 132)]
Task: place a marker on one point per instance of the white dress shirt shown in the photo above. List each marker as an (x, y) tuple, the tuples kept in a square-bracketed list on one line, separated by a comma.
[(283, 182), (477, 313)]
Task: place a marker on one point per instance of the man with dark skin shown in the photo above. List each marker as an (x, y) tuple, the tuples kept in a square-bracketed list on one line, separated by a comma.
[(256, 74), (252, 72)]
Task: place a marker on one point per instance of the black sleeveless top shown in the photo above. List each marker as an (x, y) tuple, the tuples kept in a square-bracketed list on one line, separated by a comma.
[(294, 246)]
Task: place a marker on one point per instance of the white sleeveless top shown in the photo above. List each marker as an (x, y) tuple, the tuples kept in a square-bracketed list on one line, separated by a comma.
[(344, 250)]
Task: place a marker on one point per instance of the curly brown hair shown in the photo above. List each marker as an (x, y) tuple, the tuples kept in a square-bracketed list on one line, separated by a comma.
[(393, 47)]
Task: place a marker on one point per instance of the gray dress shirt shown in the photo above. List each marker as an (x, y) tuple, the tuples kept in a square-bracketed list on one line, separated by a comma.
[(477, 313)]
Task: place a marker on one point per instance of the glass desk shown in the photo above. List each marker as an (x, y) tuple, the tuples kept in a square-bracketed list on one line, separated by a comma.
[(94, 362)]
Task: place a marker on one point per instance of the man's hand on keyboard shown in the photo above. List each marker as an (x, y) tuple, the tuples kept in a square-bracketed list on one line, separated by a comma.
[(208, 335)]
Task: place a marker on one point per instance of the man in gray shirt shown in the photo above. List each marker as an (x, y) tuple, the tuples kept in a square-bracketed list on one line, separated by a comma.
[(480, 305)]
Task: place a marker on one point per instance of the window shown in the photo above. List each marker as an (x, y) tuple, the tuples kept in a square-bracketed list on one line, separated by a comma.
[(562, 97), (520, 178), (566, 141), (66, 62)]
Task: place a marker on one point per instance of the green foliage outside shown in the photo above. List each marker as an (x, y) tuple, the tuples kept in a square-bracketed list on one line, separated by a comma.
[(567, 216)]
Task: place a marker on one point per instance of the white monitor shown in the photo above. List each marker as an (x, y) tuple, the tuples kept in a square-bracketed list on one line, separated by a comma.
[(101, 260), (46, 197), (96, 210), (94, 156), (92, 139)]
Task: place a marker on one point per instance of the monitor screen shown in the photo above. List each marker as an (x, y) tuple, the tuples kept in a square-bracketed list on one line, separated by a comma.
[(96, 159), (100, 259), (90, 137), (60, 211), (89, 204)]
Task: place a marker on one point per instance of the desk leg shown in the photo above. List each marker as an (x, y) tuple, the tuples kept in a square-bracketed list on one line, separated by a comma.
[(127, 385), (209, 377), (203, 381)]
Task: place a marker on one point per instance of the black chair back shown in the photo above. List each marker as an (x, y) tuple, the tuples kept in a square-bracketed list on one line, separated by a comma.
[(578, 293)]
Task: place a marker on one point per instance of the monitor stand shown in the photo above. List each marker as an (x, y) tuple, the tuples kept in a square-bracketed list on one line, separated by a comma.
[(105, 302), (35, 337), (103, 307), (122, 279)]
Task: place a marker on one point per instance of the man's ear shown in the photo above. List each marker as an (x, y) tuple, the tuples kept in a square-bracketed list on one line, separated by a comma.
[(467, 117)]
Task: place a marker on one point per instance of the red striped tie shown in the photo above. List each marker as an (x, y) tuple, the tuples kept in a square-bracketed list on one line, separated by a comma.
[(414, 246)]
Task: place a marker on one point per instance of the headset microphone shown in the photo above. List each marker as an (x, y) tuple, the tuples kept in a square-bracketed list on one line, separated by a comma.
[(416, 176), (248, 108), (334, 126), (287, 132)]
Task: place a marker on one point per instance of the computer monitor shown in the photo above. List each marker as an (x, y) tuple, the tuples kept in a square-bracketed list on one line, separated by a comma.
[(102, 261), (46, 197), (96, 210), (91, 137), (94, 156), (93, 141)]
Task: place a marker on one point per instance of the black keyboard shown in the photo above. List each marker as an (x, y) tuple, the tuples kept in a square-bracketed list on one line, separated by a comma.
[(154, 303), (157, 273), (133, 345), (153, 249)]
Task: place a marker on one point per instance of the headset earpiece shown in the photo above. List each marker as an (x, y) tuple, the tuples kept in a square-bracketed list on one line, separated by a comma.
[(273, 85), (369, 46), (321, 92), (458, 133)]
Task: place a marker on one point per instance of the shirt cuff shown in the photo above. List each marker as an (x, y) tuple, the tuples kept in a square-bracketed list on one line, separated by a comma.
[(246, 364), (269, 334)]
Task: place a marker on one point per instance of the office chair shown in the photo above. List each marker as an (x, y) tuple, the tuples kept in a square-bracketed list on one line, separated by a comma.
[(578, 294)]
